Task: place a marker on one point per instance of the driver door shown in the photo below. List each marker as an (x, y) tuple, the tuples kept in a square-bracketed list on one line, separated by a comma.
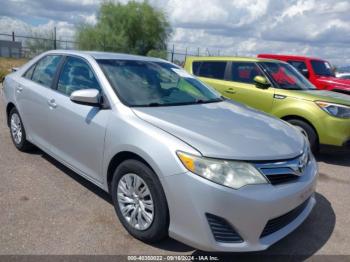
[(241, 76)]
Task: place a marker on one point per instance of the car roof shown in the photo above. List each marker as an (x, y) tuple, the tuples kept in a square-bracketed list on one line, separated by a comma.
[(288, 56), (106, 55), (229, 58)]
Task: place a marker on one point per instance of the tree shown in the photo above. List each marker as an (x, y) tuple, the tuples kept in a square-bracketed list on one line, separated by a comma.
[(134, 27), (158, 53)]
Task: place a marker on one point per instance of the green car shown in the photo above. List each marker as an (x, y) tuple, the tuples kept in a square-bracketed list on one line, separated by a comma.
[(277, 88)]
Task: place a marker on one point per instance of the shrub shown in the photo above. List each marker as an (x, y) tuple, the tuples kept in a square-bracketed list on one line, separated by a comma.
[(3, 73)]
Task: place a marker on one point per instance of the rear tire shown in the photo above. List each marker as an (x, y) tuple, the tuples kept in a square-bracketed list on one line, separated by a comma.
[(308, 131), (18, 133), (136, 188)]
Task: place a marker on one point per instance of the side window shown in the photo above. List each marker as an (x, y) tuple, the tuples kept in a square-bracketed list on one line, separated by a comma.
[(244, 72), (29, 72), (210, 69), (299, 65), (45, 70), (76, 75)]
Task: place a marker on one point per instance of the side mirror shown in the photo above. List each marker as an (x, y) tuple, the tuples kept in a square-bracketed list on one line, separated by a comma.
[(305, 73), (89, 97), (261, 82)]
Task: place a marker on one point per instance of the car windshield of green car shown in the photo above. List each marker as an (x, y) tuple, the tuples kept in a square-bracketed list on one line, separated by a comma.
[(150, 84), (286, 76)]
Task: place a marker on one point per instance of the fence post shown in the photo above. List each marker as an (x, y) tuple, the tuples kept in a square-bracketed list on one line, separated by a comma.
[(13, 36), (54, 38), (172, 54)]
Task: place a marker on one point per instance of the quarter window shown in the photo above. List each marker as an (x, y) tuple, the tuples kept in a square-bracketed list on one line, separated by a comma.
[(76, 75), (244, 72), (45, 70), (210, 69), (29, 72)]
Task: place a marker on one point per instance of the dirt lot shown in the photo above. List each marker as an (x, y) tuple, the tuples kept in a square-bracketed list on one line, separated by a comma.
[(6, 65), (47, 209)]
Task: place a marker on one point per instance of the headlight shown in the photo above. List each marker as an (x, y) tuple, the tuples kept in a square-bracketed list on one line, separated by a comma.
[(336, 110), (234, 174)]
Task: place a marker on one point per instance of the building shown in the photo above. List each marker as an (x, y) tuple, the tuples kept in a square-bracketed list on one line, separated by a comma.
[(10, 49)]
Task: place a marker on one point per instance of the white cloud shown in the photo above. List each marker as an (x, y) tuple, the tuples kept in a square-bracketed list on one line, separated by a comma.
[(244, 27)]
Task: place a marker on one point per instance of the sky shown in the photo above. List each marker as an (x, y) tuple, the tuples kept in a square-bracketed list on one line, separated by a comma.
[(319, 28)]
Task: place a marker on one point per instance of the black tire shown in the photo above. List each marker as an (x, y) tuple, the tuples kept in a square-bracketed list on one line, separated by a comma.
[(23, 145), (307, 130), (158, 230)]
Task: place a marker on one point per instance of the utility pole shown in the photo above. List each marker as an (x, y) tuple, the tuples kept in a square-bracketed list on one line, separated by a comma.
[(13, 36)]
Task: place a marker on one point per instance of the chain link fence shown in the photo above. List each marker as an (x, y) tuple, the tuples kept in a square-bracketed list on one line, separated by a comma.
[(22, 46)]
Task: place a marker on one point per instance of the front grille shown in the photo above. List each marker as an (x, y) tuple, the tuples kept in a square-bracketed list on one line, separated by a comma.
[(283, 171), (280, 222), (281, 178), (222, 231)]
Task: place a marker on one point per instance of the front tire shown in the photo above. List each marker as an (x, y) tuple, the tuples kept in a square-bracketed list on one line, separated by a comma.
[(140, 202), (18, 133), (308, 131)]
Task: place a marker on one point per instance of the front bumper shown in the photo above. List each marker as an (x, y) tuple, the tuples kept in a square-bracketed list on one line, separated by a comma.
[(334, 131), (247, 210)]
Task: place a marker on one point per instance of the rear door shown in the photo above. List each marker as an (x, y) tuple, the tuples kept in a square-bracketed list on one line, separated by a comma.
[(32, 98), (241, 76), (213, 73), (77, 131)]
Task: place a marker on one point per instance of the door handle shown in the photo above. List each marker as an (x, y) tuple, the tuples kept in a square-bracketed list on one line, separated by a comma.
[(19, 89), (52, 103), (230, 91), (277, 96)]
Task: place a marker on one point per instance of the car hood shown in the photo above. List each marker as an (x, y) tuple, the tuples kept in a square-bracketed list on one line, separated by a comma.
[(227, 130), (337, 83), (321, 95)]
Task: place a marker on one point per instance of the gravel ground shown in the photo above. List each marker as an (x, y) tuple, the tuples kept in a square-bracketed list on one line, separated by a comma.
[(47, 209)]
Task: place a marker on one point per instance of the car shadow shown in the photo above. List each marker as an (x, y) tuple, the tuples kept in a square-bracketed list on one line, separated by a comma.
[(305, 241), (340, 157)]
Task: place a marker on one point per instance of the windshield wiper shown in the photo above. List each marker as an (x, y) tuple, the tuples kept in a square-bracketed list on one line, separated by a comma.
[(154, 104), (201, 101)]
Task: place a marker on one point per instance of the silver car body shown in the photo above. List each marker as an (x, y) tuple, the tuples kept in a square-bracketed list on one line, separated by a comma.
[(88, 140)]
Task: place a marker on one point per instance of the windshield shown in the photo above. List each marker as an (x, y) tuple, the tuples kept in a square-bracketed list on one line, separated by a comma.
[(144, 83), (286, 76), (322, 68)]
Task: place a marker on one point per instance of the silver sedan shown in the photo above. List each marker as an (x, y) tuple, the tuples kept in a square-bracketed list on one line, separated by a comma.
[(178, 159)]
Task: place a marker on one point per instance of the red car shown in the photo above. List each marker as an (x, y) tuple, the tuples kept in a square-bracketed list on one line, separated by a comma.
[(319, 72)]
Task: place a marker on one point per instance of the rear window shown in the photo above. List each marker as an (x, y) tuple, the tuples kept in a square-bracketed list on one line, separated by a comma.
[(210, 69), (45, 70)]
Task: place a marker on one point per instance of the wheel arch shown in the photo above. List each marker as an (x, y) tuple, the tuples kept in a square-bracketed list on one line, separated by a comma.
[(118, 159), (295, 117), (9, 107)]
